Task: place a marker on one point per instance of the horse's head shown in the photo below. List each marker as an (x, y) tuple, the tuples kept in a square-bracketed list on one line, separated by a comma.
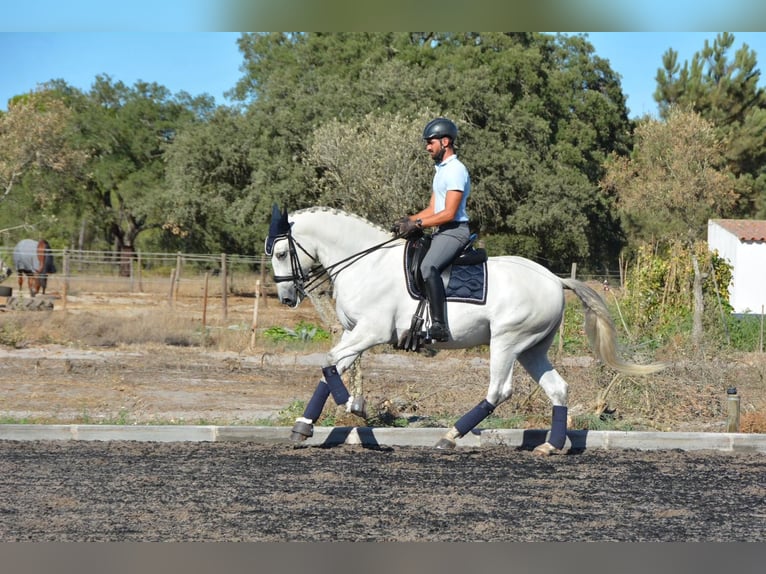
[(291, 263)]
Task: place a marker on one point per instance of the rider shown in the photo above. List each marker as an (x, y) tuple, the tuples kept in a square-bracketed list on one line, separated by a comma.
[(447, 213)]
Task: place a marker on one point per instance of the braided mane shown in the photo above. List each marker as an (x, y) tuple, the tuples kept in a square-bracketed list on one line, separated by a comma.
[(336, 211)]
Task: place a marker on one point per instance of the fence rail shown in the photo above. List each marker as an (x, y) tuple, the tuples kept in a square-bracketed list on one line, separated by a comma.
[(165, 274), (142, 271)]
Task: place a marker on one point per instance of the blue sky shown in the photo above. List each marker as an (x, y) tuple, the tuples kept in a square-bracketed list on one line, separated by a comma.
[(209, 62), (195, 62)]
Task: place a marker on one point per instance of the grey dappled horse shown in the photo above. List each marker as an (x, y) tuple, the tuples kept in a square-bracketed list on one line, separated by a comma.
[(519, 319), (35, 260)]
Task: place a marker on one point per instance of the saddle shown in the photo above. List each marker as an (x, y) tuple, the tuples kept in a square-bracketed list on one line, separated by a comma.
[(467, 283), (467, 274)]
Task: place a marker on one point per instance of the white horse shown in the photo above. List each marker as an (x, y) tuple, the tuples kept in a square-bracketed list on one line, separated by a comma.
[(519, 320)]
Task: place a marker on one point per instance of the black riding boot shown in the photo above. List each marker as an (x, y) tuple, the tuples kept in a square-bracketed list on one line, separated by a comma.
[(437, 304)]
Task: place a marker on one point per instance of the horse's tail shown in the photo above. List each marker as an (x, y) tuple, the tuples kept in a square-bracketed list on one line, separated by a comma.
[(601, 332)]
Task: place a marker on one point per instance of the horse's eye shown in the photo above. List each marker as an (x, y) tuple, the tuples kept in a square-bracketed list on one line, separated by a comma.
[(281, 256)]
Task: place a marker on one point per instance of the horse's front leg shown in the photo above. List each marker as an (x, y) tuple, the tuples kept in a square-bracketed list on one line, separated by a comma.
[(340, 359), (330, 384)]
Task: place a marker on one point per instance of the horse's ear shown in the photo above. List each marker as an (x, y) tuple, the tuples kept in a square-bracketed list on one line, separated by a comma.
[(278, 227)]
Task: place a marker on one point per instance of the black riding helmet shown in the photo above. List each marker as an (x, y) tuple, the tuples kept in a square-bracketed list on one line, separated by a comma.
[(440, 128)]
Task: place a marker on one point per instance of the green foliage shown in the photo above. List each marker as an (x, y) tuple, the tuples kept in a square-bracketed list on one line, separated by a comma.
[(303, 332), (335, 118), (11, 333), (575, 342), (725, 91), (657, 299), (537, 116)]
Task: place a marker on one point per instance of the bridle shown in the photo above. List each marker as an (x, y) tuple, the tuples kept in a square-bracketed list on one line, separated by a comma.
[(305, 282)]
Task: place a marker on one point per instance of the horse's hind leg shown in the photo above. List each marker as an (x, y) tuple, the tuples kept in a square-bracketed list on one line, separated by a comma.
[(536, 362)]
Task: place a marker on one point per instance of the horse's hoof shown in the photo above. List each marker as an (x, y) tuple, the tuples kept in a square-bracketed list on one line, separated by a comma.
[(445, 444), (297, 437), (359, 407), (301, 431), (546, 449)]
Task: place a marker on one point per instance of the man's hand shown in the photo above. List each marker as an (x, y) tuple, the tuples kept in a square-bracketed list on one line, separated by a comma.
[(406, 227), (395, 225)]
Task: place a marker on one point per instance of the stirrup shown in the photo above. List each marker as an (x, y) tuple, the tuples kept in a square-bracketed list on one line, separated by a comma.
[(438, 332)]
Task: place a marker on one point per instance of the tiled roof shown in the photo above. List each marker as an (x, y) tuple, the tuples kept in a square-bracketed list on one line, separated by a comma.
[(744, 229)]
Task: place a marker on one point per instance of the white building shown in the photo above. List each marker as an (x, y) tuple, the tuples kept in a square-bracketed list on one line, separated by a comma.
[(742, 242)]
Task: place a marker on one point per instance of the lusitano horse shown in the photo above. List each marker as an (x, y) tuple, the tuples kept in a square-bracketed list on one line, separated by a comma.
[(519, 319), (35, 260)]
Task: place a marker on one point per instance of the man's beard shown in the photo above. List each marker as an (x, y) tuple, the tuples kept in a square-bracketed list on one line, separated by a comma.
[(439, 156)]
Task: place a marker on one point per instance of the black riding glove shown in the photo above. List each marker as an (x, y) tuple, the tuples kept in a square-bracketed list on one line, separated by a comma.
[(395, 225), (406, 227)]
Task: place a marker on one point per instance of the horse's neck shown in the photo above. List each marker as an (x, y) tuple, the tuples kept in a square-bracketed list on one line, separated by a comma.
[(339, 236)]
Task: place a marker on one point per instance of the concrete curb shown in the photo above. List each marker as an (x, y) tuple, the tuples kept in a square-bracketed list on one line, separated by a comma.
[(385, 436)]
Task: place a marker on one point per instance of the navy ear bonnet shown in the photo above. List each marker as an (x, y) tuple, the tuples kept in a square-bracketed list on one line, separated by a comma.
[(279, 227)]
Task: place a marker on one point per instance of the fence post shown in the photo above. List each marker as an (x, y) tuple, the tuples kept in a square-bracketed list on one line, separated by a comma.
[(263, 277), (224, 287), (573, 275), (254, 325), (140, 285), (172, 285), (732, 400), (204, 303), (177, 281), (66, 276)]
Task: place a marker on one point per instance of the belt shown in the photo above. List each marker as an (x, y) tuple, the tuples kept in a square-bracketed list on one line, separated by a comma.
[(451, 225)]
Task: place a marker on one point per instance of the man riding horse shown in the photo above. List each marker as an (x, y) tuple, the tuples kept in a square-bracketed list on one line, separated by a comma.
[(447, 213)]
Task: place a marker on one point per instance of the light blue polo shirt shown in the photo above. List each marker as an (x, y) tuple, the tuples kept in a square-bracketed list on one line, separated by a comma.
[(451, 174)]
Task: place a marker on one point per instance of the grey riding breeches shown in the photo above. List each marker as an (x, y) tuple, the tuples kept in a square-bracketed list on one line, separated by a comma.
[(446, 242)]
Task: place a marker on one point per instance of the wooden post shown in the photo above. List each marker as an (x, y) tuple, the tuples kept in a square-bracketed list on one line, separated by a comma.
[(172, 284), (224, 287), (66, 277), (204, 303), (140, 286), (263, 277), (561, 327), (254, 325), (177, 281), (732, 400)]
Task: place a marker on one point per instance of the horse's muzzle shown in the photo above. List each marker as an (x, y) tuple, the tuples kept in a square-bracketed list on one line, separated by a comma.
[(289, 301)]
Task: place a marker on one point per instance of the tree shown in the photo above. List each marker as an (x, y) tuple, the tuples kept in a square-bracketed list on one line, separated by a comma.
[(128, 130), (538, 114), (353, 174), (209, 169), (725, 92), (33, 141), (672, 183)]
